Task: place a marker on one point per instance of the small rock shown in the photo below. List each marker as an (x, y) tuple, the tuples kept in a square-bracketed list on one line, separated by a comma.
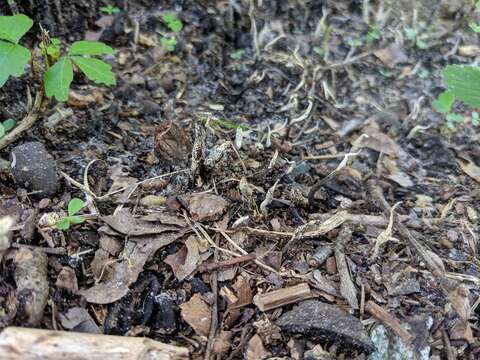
[(32, 168), (151, 108), (256, 349), (207, 207), (331, 265), (322, 321)]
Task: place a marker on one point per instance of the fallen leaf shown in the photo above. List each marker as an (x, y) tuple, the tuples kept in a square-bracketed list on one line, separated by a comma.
[(67, 279), (256, 350), (78, 319), (469, 168), (172, 142), (207, 207), (243, 292), (185, 260), (391, 55), (378, 141), (197, 314)]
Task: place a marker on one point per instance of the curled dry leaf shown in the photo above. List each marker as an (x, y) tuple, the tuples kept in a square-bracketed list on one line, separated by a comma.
[(185, 260), (172, 143)]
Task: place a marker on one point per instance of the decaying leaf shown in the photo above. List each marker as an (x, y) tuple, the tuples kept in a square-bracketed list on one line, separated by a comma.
[(145, 237), (469, 168), (172, 142), (6, 224), (197, 314), (185, 261), (207, 207), (391, 55)]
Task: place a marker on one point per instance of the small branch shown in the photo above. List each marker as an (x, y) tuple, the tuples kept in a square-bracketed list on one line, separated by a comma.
[(25, 124), (225, 263), (282, 297)]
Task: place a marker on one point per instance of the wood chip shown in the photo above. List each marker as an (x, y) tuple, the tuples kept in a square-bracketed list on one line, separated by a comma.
[(282, 297), (386, 319)]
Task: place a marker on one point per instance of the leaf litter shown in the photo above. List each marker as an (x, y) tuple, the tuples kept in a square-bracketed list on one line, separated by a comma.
[(240, 197)]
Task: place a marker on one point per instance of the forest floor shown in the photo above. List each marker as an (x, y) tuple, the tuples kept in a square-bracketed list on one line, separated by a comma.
[(277, 186)]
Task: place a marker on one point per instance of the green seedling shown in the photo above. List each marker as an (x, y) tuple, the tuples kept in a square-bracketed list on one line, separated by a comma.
[(452, 119), (475, 118), (374, 34), (227, 124), (444, 102), (474, 27), (109, 9), (237, 54), (172, 21), (6, 126), (58, 69), (423, 74), (74, 206), (169, 43)]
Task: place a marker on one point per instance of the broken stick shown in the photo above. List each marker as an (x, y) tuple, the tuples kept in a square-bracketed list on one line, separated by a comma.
[(32, 344), (281, 297)]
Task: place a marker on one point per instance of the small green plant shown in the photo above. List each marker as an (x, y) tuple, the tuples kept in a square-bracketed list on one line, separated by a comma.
[(74, 206), (374, 34), (463, 84), (109, 9), (6, 126), (172, 21), (475, 118), (237, 54), (412, 35), (58, 69), (169, 43)]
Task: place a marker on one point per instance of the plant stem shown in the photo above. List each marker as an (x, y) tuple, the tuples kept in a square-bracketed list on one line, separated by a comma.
[(25, 124)]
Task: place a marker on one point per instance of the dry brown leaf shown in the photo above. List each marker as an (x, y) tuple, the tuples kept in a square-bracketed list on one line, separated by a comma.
[(378, 141), (243, 291), (207, 207), (172, 142), (185, 260), (256, 350), (391, 55), (469, 168), (197, 314), (67, 279)]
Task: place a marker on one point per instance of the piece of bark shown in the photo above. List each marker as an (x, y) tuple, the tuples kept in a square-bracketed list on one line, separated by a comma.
[(32, 344), (32, 284), (347, 288), (282, 297), (389, 320)]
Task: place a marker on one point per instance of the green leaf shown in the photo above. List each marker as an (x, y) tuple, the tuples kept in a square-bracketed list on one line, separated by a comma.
[(96, 70), (453, 118), (237, 54), (89, 47), (172, 21), (464, 82), (12, 28), (168, 43), (58, 78), (2, 131), (475, 118), (13, 59), (76, 219), (8, 124), (74, 206), (63, 223), (444, 102), (474, 27)]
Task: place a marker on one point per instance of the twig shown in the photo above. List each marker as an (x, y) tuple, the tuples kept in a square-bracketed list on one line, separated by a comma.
[(319, 184), (214, 322), (25, 124), (225, 263), (47, 250), (385, 318)]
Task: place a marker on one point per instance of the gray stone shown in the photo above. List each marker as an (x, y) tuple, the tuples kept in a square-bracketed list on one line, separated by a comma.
[(321, 321), (33, 169)]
